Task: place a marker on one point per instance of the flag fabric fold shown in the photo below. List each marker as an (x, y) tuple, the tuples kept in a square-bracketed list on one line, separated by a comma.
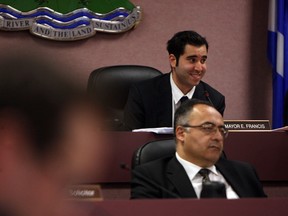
[(278, 56)]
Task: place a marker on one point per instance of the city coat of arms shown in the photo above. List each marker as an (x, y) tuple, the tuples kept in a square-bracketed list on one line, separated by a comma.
[(67, 20)]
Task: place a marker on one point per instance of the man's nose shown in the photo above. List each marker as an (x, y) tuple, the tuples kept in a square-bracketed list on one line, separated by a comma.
[(218, 134), (198, 66)]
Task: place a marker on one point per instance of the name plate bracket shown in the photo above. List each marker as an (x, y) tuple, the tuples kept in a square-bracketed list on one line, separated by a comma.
[(244, 125)]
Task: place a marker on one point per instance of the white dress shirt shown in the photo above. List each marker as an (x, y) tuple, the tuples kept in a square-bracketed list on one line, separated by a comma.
[(177, 94), (196, 179)]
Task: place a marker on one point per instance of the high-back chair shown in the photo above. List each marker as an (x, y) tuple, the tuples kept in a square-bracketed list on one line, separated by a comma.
[(110, 86), (153, 150)]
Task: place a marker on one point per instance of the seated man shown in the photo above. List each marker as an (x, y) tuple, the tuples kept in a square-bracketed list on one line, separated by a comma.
[(199, 133), (152, 103)]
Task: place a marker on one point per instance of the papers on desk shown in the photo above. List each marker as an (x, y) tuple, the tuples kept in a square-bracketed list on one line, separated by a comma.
[(169, 130), (160, 130), (285, 128)]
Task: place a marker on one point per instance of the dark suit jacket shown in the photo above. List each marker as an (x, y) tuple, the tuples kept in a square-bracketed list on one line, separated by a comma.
[(166, 178), (149, 103)]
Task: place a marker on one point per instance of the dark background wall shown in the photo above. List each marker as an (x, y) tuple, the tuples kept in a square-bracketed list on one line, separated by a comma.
[(236, 31)]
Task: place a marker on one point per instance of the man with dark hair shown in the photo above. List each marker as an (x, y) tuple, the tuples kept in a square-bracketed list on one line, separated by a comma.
[(152, 103), (176, 45), (49, 136), (199, 133)]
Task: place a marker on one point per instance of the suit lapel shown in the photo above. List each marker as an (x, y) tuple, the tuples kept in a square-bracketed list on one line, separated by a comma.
[(230, 176), (179, 179), (164, 101), (199, 92)]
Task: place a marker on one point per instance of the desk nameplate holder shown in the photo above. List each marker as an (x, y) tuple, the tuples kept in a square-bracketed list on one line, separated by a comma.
[(247, 125), (85, 192)]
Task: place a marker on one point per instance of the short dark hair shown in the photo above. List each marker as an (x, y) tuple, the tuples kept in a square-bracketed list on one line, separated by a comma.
[(36, 94), (177, 43), (185, 109)]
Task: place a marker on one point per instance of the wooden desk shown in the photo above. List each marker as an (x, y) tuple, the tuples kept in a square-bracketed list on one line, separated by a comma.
[(255, 207), (267, 151), (121, 146)]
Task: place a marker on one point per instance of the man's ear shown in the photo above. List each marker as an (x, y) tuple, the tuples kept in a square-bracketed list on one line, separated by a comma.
[(172, 61), (179, 133)]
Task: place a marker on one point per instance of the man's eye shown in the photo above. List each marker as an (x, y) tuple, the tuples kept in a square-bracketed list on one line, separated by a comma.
[(203, 61), (208, 127), (193, 60)]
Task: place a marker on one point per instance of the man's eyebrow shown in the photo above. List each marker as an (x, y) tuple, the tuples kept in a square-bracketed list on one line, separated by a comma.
[(207, 122), (222, 125), (195, 56)]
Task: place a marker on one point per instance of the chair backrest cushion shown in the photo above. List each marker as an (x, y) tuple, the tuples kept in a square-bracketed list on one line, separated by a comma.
[(153, 150), (111, 84)]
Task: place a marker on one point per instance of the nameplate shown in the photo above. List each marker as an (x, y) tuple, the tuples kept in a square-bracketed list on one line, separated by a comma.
[(244, 125), (85, 192)]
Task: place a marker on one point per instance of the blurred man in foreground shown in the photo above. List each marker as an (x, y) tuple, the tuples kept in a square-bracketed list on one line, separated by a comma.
[(50, 136), (200, 133)]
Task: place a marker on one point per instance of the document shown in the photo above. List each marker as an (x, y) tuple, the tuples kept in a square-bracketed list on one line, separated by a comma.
[(285, 128), (160, 130)]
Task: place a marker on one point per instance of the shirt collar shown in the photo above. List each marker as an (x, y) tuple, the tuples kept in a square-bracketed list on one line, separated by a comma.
[(192, 169), (177, 94)]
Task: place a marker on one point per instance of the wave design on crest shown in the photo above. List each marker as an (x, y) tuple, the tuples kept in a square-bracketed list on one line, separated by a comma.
[(12, 13), (47, 23)]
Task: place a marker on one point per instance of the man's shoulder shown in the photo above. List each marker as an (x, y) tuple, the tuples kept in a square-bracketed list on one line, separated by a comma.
[(153, 82), (209, 88), (234, 164)]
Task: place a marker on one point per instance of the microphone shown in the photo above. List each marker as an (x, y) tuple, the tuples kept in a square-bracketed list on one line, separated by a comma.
[(147, 180), (213, 189), (206, 93), (124, 166), (115, 124)]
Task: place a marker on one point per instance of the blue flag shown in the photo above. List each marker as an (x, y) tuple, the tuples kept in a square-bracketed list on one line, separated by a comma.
[(278, 56)]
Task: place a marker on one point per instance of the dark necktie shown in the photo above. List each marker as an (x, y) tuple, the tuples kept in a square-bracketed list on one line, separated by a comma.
[(205, 174), (183, 99), (211, 189)]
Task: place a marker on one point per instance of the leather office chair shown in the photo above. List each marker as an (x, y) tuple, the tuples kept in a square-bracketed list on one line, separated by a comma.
[(152, 151), (110, 87)]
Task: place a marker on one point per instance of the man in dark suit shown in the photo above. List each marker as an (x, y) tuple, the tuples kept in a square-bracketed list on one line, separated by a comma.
[(200, 133), (152, 103)]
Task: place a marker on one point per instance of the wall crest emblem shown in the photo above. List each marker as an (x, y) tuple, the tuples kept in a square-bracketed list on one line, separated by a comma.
[(67, 20)]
